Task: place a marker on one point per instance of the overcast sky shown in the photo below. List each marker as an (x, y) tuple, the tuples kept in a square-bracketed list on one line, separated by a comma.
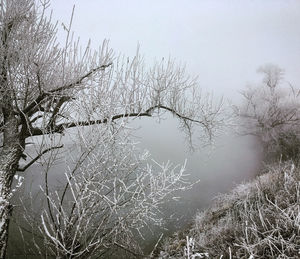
[(223, 42)]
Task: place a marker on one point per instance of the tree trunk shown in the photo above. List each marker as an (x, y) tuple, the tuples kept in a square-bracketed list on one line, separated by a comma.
[(13, 142), (9, 159)]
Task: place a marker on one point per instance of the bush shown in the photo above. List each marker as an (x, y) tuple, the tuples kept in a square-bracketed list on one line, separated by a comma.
[(271, 111)]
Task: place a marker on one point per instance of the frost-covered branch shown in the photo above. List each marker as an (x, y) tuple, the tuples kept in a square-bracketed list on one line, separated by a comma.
[(22, 169)]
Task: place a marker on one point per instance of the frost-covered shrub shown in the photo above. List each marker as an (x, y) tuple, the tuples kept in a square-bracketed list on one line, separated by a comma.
[(271, 112)]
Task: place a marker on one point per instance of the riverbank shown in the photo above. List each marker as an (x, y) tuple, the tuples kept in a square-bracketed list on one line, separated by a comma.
[(258, 219)]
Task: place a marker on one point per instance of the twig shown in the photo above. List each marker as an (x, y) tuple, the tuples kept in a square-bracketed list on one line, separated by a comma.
[(151, 254)]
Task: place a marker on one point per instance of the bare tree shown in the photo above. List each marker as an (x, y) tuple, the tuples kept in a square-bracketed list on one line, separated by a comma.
[(51, 95), (271, 112)]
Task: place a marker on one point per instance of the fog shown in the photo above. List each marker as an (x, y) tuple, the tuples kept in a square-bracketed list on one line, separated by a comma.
[(223, 42)]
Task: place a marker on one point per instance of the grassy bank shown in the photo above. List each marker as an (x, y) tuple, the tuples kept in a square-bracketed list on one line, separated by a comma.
[(258, 219)]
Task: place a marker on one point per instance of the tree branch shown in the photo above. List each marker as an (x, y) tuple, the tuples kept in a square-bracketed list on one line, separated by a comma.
[(61, 127), (37, 157), (148, 113), (56, 109), (79, 81), (43, 95), (180, 116)]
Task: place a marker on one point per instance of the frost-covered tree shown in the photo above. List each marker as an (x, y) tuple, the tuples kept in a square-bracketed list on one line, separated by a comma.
[(271, 111), (52, 96)]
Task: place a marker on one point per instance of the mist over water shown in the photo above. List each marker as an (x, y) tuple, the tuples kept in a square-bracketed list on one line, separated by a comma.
[(232, 159)]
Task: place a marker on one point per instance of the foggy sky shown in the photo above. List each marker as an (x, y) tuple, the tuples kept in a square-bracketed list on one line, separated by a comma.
[(223, 42)]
